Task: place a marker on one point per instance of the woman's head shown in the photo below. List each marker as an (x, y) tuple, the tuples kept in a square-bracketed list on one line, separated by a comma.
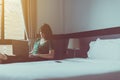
[(45, 31)]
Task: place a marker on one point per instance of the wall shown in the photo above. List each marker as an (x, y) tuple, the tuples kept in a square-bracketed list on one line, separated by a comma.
[(51, 12), (69, 16), (85, 15)]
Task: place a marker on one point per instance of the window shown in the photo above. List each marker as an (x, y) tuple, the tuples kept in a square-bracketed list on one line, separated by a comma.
[(11, 20), (11, 24), (0, 16)]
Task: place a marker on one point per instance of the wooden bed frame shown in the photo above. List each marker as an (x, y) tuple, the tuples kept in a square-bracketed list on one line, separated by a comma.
[(61, 41)]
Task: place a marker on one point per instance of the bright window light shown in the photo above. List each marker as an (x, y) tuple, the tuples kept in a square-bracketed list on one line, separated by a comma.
[(14, 27)]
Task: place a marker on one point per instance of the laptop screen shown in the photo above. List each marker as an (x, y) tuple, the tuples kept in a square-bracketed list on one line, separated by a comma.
[(6, 49)]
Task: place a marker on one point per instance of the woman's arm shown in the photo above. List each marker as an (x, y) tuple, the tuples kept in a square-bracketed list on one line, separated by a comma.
[(49, 55)]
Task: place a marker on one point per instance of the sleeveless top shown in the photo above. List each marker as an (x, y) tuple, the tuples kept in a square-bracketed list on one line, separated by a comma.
[(42, 47)]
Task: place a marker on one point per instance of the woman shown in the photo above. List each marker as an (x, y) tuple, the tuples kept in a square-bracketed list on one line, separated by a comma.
[(42, 50), (43, 47)]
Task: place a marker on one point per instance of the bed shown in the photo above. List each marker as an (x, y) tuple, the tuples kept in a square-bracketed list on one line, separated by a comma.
[(67, 69), (102, 62)]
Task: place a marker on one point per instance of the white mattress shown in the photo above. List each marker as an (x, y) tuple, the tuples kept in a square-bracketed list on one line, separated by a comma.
[(52, 69)]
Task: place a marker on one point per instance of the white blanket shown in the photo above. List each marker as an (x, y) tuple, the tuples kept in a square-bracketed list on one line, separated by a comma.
[(55, 69)]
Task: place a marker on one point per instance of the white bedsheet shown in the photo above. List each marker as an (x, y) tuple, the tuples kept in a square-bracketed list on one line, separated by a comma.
[(52, 69)]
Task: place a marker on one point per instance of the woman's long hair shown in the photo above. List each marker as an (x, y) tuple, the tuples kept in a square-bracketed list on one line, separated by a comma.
[(46, 30)]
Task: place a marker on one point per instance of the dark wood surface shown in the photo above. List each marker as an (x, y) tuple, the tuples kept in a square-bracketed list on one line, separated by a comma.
[(61, 40)]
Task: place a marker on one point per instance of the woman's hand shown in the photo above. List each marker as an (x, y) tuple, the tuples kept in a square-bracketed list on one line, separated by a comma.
[(31, 52), (33, 55)]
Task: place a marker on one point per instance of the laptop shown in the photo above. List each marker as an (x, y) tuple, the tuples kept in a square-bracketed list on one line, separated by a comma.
[(20, 48)]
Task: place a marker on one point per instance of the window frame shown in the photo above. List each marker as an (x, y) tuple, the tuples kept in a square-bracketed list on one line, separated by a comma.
[(2, 39), (2, 21)]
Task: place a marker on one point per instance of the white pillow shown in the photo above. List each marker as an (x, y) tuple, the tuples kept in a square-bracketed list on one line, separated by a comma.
[(91, 47), (108, 49)]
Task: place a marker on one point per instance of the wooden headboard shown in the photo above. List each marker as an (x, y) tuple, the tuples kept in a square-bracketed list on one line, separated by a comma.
[(86, 37)]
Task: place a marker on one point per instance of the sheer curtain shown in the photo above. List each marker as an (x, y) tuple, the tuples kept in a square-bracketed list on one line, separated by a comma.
[(30, 18)]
